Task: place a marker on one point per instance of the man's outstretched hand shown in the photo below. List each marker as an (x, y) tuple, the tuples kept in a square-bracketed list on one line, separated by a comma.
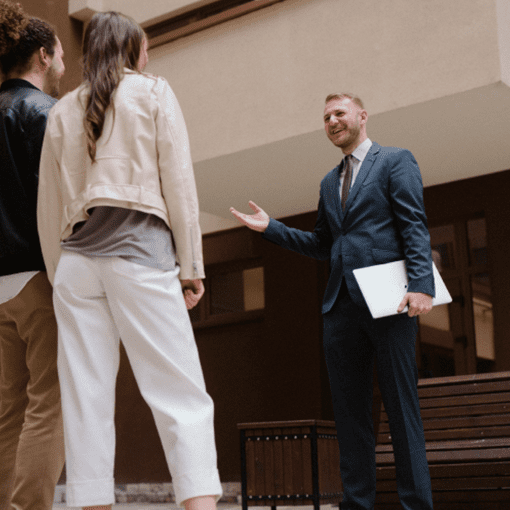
[(258, 221)]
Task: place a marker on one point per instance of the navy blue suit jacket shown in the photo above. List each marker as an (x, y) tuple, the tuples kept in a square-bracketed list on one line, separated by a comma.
[(384, 220)]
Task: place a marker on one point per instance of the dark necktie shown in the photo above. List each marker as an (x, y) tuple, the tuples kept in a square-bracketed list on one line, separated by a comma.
[(347, 179)]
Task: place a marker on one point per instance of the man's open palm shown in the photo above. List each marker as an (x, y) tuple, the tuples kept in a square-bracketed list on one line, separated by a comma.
[(258, 221)]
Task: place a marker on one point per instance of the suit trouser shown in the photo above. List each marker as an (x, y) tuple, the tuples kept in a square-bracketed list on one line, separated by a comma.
[(97, 300), (352, 340), (31, 435)]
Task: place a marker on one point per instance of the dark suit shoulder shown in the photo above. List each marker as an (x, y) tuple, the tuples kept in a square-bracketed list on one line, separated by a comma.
[(392, 151), (393, 157)]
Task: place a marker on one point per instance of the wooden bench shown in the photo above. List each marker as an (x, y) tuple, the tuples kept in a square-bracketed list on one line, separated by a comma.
[(467, 431)]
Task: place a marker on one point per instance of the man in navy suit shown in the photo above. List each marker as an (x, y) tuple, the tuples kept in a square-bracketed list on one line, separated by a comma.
[(370, 212)]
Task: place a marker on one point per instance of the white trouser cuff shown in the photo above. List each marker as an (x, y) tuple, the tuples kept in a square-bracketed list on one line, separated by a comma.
[(206, 483), (90, 493)]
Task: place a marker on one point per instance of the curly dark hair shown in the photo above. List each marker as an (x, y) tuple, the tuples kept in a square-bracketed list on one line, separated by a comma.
[(12, 21), (21, 36)]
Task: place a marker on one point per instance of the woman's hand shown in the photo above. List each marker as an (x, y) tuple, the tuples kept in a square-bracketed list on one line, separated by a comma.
[(192, 290)]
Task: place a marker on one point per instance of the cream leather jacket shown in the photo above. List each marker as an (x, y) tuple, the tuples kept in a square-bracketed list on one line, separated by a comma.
[(143, 162)]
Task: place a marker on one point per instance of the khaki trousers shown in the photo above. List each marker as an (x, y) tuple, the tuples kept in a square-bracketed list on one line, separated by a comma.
[(31, 430)]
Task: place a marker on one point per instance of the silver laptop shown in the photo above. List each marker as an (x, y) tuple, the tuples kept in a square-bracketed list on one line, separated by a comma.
[(385, 285)]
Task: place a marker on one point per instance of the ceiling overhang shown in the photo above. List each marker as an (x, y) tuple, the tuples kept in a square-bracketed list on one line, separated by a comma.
[(455, 137)]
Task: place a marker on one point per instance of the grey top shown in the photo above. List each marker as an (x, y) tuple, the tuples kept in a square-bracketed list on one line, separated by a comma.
[(132, 235)]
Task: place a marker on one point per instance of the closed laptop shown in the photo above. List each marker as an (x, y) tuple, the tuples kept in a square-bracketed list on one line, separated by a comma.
[(384, 286)]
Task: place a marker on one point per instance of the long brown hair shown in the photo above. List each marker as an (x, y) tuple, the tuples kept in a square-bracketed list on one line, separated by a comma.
[(112, 41)]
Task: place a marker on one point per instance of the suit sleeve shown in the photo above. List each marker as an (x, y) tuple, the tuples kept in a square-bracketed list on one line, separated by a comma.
[(316, 244), (406, 190), (49, 202)]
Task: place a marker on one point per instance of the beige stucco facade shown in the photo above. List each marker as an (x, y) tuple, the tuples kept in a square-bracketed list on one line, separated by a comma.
[(434, 75)]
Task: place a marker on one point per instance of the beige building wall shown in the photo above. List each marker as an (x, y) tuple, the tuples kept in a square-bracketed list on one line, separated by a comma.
[(263, 78), (434, 76)]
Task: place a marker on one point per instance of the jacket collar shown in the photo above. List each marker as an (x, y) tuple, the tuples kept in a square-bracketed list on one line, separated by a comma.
[(17, 83), (130, 71)]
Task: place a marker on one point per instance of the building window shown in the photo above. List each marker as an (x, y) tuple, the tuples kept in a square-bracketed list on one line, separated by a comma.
[(462, 331), (232, 295), (239, 291)]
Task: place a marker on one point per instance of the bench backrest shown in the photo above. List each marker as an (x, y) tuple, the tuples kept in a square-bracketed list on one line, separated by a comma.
[(461, 408)]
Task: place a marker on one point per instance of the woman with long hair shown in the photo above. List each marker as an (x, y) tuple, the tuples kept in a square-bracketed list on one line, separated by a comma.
[(118, 222)]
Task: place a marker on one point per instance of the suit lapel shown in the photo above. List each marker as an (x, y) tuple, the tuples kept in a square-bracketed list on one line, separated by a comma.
[(362, 175), (336, 194)]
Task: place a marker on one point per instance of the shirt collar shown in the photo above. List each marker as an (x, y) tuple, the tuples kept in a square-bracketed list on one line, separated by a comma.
[(361, 151)]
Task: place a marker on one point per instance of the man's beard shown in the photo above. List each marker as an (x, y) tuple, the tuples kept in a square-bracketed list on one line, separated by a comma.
[(352, 136), (52, 83)]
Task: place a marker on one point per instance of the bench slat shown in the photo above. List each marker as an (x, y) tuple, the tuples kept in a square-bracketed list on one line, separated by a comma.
[(458, 445), (464, 496), (469, 410), (462, 379), (441, 451), (464, 389), (474, 409), (461, 400), (492, 469), (455, 434), (459, 423), (454, 484), (458, 455)]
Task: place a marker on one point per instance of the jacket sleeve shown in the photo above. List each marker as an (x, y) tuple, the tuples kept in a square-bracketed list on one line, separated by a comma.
[(406, 190), (49, 203), (178, 181), (316, 244)]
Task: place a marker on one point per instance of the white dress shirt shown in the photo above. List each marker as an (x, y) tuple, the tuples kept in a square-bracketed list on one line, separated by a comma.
[(359, 154)]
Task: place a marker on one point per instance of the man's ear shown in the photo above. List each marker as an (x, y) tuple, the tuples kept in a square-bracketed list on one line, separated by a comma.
[(43, 59)]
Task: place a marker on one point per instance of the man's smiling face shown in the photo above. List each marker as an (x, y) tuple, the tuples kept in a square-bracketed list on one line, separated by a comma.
[(344, 123)]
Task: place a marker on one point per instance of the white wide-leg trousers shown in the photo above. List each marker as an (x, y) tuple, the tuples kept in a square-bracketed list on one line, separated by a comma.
[(97, 301)]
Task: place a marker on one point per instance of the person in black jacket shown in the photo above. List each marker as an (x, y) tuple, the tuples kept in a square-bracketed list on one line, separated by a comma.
[(31, 431)]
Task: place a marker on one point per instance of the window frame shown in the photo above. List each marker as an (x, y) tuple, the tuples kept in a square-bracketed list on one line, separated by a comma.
[(204, 306)]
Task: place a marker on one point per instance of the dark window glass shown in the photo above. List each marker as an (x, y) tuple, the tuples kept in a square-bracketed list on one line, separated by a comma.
[(238, 291)]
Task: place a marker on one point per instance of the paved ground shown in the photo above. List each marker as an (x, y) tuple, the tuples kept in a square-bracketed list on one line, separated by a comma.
[(173, 506), (132, 506), (165, 506)]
